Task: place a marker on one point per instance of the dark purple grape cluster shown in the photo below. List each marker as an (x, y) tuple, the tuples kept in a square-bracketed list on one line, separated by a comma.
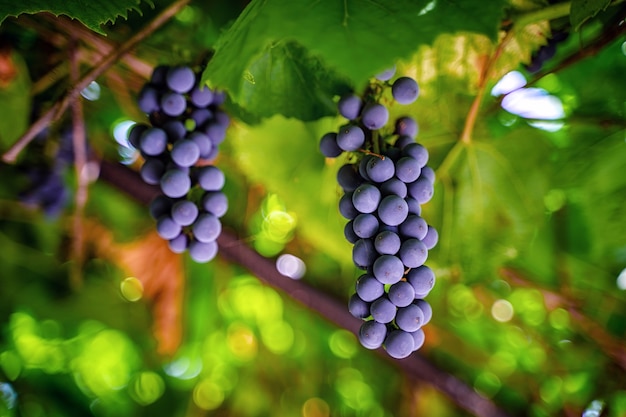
[(384, 188), (185, 131), (547, 51)]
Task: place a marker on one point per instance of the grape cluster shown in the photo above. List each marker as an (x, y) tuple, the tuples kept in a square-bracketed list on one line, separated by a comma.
[(384, 189), (185, 130), (547, 51)]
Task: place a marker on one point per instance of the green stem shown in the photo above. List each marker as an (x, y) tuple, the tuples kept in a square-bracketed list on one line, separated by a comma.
[(547, 13)]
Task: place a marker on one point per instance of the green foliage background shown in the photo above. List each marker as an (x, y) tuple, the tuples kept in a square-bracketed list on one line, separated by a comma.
[(530, 220)]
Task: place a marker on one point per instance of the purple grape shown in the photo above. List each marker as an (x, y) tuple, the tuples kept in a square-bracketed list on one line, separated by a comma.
[(134, 134), (422, 279), (206, 228), (426, 309), (421, 190), (160, 205), (431, 238), (383, 310), (167, 228), (175, 183), (363, 253), (202, 251), (173, 104), (350, 138), (414, 206), (184, 212), (349, 106), (348, 178), (406, 126), (393, 210), (418, 338), (152, 170), (388, 269), (374, 116), (428, 173), (346, 207), (175, 130), (348, 232), (380, 170), (358, 308), (410, 318), (399, 344), (369, 288), (365, 225), (179, 244), (413, 253), (401, 294), (417, 151), (405, 90), (372, 334), (366, 198), (211, 178), (153, 141), (403, 141), (215, 202), (363, 167), (201, 96), (148, 99), (216, 132), (386, 75), (185, 153), (393, 186), (201, 116), (408, 169), (180, 79), (158, 75), (328, 145), (205, 146), (387, 243)]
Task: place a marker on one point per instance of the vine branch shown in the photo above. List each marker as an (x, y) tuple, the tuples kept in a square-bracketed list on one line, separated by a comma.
[(10, 156)]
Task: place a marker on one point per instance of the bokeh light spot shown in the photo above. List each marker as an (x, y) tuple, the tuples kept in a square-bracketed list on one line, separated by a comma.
[(277, 336), (550, 390), (290, 266), (91, 92), (487, 384), (509, 82), (242, 342), (147, 387), (559, 318), (502, 310), (132, 289), (621, 280), (315, 407), (8, 396), (208, 395), (11, 364), (343, 344)]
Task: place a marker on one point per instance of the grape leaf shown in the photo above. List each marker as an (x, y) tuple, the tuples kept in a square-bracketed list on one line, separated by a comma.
[(583, 10), (91, 13), (356, 39)]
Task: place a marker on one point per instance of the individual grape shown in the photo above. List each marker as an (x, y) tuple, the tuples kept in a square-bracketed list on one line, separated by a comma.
[(363, 253), (348, 178), (393, 210), (134, 134), (383, 310), (403, 141), (219, 97), (431, 238), (346, 207), (350, 138), (202, 251), (184, 212), (159, 206), (349, 106), (148, 99), (358, 308), (406, 126), (410, 318), (180, 79), (388, 269), (167, 228), (215, 202), (205, 146), (211, 178), (422, 279), (417, 151), (206, 228), (173, 104), (414, 206), (418, 338), (405, 90), (369, 288), (175, 130), (175, 183), (380, 169), (386, 75), (387, 243), (153, 141), (201, 116), (393, 186), (401, 294), (363, 167), (408, 169), (426, 309), (421, 190), (414, 226), (365, 225), (413, 253), (179, 244), (366, 198), (216, 132), (152, 170), (428, 173), (185, 153), (399, 344), (158, 75), (372, 334), (348, 232), (374, 116), (201, 96), (328, 145)]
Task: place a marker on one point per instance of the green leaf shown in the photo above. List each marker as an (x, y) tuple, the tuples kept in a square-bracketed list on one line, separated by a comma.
[(91, 13), (356, 39), (15, 100), (583, 10)]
